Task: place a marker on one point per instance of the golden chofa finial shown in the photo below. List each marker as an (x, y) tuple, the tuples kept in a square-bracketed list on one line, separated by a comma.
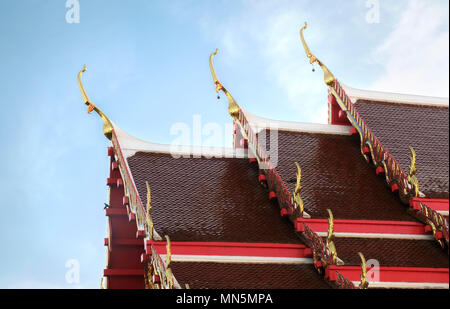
[(328, 76), (107, 125), (364, 283), (233, 107)]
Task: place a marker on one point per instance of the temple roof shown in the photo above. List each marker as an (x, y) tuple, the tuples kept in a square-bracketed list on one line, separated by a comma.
[(247, 276), (216, 199)]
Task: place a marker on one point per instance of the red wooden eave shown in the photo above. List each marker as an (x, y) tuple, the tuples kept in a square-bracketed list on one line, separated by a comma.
[(232, 249), (439, 205), (392, 274), (363, 226)]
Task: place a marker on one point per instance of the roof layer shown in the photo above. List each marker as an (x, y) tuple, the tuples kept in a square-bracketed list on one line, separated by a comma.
[(335, 176), (247, 276), (425, 128), (199, 199), (392, 252)]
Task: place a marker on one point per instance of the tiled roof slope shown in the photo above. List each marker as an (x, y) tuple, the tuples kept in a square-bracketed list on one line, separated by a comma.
[(247, 276), (199, 199), (425, 128), (393, 252), (335, 176)]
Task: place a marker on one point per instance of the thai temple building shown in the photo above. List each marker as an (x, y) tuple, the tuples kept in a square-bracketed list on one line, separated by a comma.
[(361, 202)]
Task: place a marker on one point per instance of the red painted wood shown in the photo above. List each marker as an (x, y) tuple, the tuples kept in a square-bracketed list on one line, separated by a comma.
[(272, 195), (353, 131), (362, 226), (115, 212), (336, 115), (232, 249), (435, 204), (393, 274), (379, 170), (394, 187), (124, 249)]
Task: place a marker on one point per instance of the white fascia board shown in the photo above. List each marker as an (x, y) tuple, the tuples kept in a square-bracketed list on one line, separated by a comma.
[(238, 259), (357, 94), (259, 123), (130, 145)]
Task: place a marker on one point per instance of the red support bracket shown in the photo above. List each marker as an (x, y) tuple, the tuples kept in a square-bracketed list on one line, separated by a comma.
[(125, 201), (272, 195), (252, 160), (394, 187), (353, 131), (379, 170), (110, 151)]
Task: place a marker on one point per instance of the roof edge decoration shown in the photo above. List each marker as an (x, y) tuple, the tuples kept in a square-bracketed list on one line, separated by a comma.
[(260, 123), (400, 98), (157, 273), (107, 125), (324, 254), (376, 154)]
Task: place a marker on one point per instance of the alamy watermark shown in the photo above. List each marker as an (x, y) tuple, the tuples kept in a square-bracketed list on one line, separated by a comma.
[(373, 14), (73, 274), (73, 12), (205, 136)]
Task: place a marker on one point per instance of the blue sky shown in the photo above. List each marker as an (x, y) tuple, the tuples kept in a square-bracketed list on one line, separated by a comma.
[(148, 69)]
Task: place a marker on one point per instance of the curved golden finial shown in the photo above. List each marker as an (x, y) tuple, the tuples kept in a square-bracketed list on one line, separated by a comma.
[(412, 179), (149, 212), (298, 188), (328, 76), (233, 107), (169, 263), (107, 125), (330, 237), (364, 283)]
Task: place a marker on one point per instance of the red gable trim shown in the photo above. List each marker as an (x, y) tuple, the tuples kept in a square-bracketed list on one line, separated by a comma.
[(439, 205), (123, 272), (363, 226), (392, 274), (231, 249)]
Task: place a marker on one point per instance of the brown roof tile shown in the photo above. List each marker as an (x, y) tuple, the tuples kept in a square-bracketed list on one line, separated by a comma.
[(199, 199), (423, 127), (335, 176), (247, 276), (392, 252)]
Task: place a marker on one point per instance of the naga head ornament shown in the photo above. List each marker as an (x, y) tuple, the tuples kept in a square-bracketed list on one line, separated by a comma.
[(328, 76), (107, 125)]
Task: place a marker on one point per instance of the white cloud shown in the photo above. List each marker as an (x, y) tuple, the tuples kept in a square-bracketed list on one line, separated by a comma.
[(415, 53)]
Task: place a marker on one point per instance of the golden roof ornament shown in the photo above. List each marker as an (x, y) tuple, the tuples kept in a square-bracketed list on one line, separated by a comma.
[(412, 179), (328, 76), (364, 283), (233, 107), (169, 263), (107, 125), (330, 237), (298, 188)]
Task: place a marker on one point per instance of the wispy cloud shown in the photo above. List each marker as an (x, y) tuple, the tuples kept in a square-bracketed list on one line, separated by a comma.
[(415, 53)]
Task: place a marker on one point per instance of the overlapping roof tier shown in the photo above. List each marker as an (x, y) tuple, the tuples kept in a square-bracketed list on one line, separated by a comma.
[(374, 187)]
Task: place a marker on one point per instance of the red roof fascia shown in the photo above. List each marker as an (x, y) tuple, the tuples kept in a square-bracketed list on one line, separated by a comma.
[(123, 272), (439, 205), (363, 226), (392, 274), (232, 249)]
